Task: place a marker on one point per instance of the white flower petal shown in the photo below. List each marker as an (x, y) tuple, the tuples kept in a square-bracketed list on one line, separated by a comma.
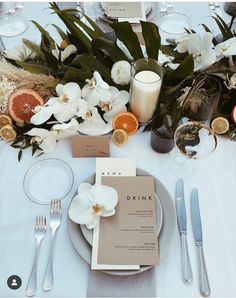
[(48, 144), (70, 49), (72, 90), (59, 89), (84, 187), (65, 113), (40, 132), (80, 211), (106, 213), (108, 116), (42, 115), (105, 196), (99, 81), (94, 223)]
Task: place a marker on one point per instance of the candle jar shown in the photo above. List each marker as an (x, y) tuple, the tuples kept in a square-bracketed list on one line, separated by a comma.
[(145, 87)]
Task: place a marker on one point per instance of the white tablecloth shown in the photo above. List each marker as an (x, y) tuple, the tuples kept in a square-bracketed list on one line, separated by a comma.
[(214, 177)]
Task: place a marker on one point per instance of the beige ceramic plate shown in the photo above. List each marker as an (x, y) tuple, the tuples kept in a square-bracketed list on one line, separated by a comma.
[(165, 237)]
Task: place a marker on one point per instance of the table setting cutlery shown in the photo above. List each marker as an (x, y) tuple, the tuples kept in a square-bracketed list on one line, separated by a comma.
[(197, 232), (39, 233), (54, 223), (182, 223)]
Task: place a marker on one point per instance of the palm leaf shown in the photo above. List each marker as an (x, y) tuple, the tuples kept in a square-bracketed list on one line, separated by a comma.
[(125, 33), (152, 39), (35, 48), (62, 34)]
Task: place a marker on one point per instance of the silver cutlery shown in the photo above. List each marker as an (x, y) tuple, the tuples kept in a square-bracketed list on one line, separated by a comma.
[(182, 223), (197, 231), (55, 221), (39, 232)]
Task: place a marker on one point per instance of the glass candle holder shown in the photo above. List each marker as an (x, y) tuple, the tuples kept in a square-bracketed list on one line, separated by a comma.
[(145, 87)]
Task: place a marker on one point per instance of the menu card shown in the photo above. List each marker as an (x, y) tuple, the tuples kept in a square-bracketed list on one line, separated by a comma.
[(111, 167), (130, 236)]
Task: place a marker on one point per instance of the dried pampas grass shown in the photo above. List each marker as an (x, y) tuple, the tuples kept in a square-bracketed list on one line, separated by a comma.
[(24, 79)]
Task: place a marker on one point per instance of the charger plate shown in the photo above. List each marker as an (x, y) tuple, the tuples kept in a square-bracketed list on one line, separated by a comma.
[(166, 235)]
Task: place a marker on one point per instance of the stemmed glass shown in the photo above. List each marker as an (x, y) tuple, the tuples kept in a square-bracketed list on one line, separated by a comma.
[(193, 140), (12, 23)]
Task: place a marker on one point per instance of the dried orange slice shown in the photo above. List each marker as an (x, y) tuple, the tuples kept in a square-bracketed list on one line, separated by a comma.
[(7, 133), (126, 121), (120, 137), (233, 115), (4, 120), (220, 125)]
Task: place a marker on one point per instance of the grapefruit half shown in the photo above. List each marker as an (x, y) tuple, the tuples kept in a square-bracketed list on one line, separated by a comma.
[(22, 102)]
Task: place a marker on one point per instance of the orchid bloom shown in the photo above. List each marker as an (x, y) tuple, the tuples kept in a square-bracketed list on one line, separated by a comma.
[(64, 54), (95, 89), (44, 138), (63, 107), (226, 48), (65, 130), (231, 82), (93, 124), (116, 104), (92, 202), (201, 48), (20, 53)]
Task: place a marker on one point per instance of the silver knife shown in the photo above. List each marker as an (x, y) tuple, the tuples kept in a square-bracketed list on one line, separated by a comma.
[(182, 222), (197, 231)]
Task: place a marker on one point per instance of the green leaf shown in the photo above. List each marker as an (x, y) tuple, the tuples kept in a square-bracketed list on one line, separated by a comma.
[(86, 61), (107, 51), (34, 68), (46, 35), (61, 33), (125, 33), (74, 74), (184, 70), (19, 155), (226, 32), (152, 39)]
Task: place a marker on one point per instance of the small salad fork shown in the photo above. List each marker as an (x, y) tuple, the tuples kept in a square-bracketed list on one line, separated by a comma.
[(55, 221), (40, 233)]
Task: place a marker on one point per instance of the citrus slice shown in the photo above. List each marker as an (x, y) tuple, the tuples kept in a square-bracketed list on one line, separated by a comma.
[(21, 104), (7, 133), (120, 137), (233, 115), (126, 121), (4, 120), (220, 125)]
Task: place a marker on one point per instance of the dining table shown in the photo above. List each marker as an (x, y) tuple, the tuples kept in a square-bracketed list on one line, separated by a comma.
[(214, 177)]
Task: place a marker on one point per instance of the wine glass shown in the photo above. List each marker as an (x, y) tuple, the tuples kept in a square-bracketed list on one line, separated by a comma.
[(12, 23), (193, 140), (173, 26)]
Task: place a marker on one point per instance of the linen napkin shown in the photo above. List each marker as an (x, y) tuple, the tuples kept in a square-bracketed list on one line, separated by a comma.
[(139, 285)]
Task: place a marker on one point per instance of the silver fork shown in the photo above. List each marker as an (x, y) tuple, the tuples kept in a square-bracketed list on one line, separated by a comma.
[(55, 221), (39, 233)]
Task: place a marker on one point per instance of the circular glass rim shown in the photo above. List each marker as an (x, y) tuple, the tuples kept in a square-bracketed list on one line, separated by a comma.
[(172, 14), (34, 167), (203, 125), (147, 59), (25, 21)]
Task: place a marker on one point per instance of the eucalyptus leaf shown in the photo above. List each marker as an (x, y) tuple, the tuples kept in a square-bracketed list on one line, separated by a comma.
[(125, 33), (152, 39)]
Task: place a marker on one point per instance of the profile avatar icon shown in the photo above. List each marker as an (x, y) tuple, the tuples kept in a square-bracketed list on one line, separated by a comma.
[(14, 282)]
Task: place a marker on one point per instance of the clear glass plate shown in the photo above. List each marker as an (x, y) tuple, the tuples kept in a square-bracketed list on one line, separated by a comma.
[(48, 179)]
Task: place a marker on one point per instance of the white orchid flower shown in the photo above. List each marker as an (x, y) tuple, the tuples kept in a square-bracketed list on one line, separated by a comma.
[(95, 90), (163, 58), (182, 46), (63, 107), (121, 72), (226, 48), (91, 203), (93, 124), (231, 82), (116, 104), (202, 49), (45, 139), (64, 54), (20, 53), (66, 130)]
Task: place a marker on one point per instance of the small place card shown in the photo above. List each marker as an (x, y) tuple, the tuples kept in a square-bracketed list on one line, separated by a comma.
[(124, 9), (90, 146)]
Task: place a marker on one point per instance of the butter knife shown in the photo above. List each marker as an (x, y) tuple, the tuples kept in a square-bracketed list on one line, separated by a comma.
[(197, 232), (182, 223)]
